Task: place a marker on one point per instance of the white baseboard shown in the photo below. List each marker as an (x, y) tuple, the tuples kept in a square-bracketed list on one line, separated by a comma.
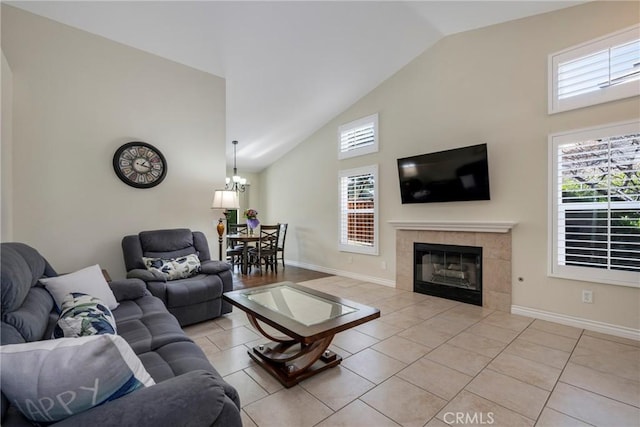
[(563, 319), (343, 273), (577, 322)]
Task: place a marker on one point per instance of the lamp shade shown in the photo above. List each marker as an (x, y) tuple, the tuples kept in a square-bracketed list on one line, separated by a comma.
[(225, 199)]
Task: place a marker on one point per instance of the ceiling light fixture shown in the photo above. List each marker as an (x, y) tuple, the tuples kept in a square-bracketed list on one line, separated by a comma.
[(236, 182)]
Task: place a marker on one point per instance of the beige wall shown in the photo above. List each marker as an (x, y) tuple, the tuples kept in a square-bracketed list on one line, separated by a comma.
[(77, 98), (6, 156), (487, 85)]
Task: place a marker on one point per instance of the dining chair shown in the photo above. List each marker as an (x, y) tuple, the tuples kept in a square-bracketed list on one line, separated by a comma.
[(281, 239), (266, 249), (234, 251), (237, 228)]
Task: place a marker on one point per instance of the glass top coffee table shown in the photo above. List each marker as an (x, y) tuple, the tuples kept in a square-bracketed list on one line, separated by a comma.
[(309, 319)]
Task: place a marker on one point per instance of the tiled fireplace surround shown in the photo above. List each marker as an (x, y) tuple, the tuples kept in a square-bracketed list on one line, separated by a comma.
[(493, 237)]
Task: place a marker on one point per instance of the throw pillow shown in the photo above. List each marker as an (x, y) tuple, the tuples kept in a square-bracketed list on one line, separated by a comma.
[(88, 281), (174, 268), (51, 380), (84, 315), (187, 265)]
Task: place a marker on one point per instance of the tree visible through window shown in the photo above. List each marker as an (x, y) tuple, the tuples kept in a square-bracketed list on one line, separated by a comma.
[(597, 213)]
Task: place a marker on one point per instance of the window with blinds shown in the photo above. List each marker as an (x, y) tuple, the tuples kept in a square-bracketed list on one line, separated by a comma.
[(598, 71), (596, 204), (358, 137), (359, 210)]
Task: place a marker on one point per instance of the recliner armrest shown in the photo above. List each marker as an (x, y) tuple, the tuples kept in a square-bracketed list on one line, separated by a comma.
[(146, 275), (214, 267), (195, 398), (128, 289)]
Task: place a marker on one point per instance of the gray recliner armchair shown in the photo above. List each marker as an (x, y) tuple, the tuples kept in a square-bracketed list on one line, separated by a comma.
[(192, 299)]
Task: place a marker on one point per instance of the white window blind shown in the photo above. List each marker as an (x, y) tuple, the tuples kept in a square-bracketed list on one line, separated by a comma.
[(596, 203), (599, 71), (358, 137), (358, 210)]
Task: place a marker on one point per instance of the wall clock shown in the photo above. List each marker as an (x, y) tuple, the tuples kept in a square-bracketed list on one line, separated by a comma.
[(139, 164)]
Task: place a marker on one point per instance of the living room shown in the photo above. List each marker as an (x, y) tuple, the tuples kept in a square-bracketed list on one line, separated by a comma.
[(432, 104), (71, 98)]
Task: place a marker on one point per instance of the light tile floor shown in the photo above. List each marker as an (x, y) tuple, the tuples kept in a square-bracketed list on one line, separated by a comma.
[(433, 362)]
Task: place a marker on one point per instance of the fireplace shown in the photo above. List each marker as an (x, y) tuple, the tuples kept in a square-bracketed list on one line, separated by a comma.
[(494, 237), (448, 271)]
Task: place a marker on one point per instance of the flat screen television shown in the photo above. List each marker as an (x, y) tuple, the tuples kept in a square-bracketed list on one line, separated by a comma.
[(454, 175)]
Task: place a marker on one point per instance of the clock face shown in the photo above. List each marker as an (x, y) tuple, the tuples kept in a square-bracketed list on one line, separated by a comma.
[(139, 164)]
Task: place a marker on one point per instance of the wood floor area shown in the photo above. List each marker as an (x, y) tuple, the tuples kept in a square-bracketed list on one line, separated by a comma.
[(289, 273)]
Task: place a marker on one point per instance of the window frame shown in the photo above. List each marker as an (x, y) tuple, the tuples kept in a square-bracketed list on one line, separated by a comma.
[(368, 149), (582, 273), (345, 246), (606, 94)]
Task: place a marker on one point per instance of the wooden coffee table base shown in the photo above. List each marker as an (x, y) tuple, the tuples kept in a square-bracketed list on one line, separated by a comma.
[(291, 361), (308, 320)]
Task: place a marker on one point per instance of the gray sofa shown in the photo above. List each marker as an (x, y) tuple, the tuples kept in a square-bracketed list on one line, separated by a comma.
[(193, 299), (188, 389)]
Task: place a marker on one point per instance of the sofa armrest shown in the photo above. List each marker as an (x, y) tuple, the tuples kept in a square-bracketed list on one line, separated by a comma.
[(195, 398), (128, 289), (146, 275), (214, 267)]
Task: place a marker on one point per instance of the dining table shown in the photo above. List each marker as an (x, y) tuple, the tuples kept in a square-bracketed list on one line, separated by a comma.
[(245, 239)]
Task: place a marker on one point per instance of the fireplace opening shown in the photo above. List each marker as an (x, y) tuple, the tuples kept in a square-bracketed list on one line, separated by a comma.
[(448, 271)]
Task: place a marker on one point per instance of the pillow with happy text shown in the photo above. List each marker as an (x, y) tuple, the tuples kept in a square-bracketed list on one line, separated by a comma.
[(51, 380)]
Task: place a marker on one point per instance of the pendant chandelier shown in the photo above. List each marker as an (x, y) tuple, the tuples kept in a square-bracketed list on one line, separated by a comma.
[(236, 182)]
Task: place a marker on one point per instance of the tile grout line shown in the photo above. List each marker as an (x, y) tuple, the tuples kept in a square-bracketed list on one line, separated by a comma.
[(472, 377), (583, 333), (359, 398), (501, 352), (546, 402), (445, 342), (479, 372)]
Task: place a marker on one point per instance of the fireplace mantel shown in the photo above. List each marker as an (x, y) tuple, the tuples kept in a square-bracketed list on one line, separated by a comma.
[(470, 226)]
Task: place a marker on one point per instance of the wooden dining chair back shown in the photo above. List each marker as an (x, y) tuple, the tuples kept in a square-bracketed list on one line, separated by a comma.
[(237, 228), (266, 251), (234, 251), (282, 236)]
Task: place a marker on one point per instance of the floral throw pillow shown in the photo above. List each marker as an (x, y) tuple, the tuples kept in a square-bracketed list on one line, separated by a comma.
[(84, 315), (174, 268)]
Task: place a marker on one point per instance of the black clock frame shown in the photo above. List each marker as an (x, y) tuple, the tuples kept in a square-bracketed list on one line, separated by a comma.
[(123, 177)]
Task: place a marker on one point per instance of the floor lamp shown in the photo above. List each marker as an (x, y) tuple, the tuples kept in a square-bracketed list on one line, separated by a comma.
[(224, 200)]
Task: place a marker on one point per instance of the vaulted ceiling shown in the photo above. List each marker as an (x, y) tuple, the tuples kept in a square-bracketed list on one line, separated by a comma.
[(290, 66)]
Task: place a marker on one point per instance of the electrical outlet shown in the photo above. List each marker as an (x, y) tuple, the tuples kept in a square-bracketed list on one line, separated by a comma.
[(349, 260), (383, 265), (587, 296)]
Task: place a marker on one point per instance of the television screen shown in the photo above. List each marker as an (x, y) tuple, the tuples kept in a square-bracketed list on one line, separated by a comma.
[(445, 176)]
